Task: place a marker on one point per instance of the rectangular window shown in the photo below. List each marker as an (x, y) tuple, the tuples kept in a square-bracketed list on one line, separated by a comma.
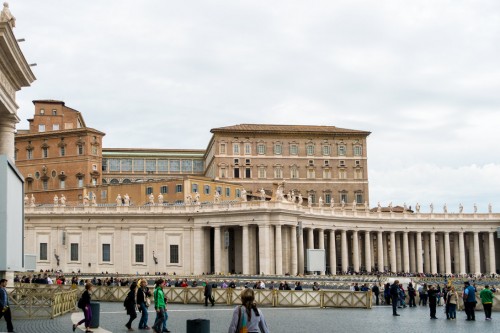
[(310, 150), (62, 151), (278, 173), (29, 154), (222, 149), (74, 252), (43, 251), (80, 149), (162, 165), (294, 149), (126, 165), (150, 165), (45, 185), (54, 112), (45, 152), (187, 166), (328, 198), (294, 173), (238, 193), (343, 197), (277, 149), (175, 166), (248, 173), (164, 189), (114, 164), (198, 165), (178, 188), (218, 189), (311, 174), (228, 192), (248, 148), (106, 252), (41, 128), (206, 189), (327, 174), (326, 150), (139, 252), (236, 172), (358, 150), (342, 150), (138, 165), (55, 127), (94, 150), (104, 194), (149, 190), (359, 198), (261, 149), (194, 188), (174, 254), (62, 184), (262, 172), (222, 172), (342, 174), (80, 181), (236, 148)]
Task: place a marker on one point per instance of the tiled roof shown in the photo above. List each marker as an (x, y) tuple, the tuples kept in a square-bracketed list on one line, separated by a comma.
[(242, 128)]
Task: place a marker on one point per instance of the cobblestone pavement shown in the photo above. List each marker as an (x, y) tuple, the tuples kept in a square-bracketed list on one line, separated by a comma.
[(280, 320)]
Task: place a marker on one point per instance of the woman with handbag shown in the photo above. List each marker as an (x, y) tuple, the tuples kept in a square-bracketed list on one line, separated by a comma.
[(143, 302), (247, 317), (130, 305), (84, 304)]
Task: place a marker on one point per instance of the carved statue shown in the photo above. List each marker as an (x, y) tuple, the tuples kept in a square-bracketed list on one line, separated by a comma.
[(32, 201), (279, 193), (332, 203), (354, 205), (379, 207), (301, 200), (320, 202), (417, 207), (217, 197), (56, 200), (309, 201), (460, 208), (94, 199), (292, 196), (127, 199), (445, 209), (26, 200), (189, 199), (119, 201), (63, 200), (160, 199), (289, 196), (475, 208), (342, 204), (6, 16), (243, 195), (86, 199), (390, 206), (431, 206), (197, 198), (151, 199), (490, 208), (262, 194), (366, 206)]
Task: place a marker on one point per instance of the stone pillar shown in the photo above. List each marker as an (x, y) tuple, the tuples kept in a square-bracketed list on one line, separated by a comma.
[(7, 129), (393, 251), (278, 250), (355, 251), (433, 253), (300, 250), (321, 243), (244, 250), (413, 267), (477, 262), (406, 253), (293, 250), (264, 250), (198, 262), (333, 253), (380, 251), (345, 257), (461, 246), (420, 265), (386, 249), (427, 254), (399, 253), (441, 254), (492, 258), (310, 238), (368, 252), (470, 249), (447, 254), (217, 250), (485, 242), (456, 255)]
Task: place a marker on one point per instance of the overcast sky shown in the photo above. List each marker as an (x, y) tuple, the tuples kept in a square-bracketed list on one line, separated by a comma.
[(422, 76)]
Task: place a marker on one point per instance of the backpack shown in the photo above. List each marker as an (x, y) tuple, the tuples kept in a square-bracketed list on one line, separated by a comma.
[(126, 302), (81, 304)]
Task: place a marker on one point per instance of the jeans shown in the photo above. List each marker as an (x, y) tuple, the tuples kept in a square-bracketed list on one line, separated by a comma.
[(469, 310), (394, 305), (452, 310), (159, 320), (432, 309), (487, 310), (143, 323), (165, 318), (8, 319)]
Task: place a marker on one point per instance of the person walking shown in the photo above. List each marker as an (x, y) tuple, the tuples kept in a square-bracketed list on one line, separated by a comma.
[(143, 301), (160, 306), (432, 297), (469, 297), (486, 296), (394, 292), (248, 316), (376, 292), (84, 304), (130, 305), (4, 305), (411, 294), (422, 292), (208, 294), (452, 301)]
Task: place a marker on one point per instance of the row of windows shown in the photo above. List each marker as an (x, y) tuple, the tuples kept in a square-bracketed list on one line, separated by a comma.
[(293, 149), (194, 189), (80, 150), (277, 172), (106, 253), (343, 196), (151, 165), (62, 183)]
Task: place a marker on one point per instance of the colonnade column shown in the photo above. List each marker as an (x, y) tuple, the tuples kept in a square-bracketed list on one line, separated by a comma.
[(333, 253), (7, 130), (217, 245), (293, 249), (198, 262), (399, 253), (380, 251), (368, 252), (345, 258), (321, 243), (427, 256), (420, 266), (310, 238), (456, 255), (447, 254), (461, 249), (413, 267), (300, 250), (493, 268), (393, 252), (477, 262), (355, 251), (264, 259), (406, 253), (278, 250), (433, 253), (442, 267), (244, 250)]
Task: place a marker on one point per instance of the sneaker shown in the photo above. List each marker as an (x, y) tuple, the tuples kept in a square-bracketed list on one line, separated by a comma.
[(74, 327), (396, 314)]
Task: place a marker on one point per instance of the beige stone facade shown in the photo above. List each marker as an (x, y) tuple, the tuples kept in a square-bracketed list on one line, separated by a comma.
[(254, 237)]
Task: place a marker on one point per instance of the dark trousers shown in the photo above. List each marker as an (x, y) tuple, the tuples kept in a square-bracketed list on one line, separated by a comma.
[(394, 305), (207, 298), (412, 301), (469, 310), (423, 300), (157, 326), (487, 310), (132, 315), (376, 299), (8, 319), (87, 317), (432, 308)]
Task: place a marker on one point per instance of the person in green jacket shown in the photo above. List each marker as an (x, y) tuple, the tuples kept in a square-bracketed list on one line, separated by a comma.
[(160, 306), (486, 296)]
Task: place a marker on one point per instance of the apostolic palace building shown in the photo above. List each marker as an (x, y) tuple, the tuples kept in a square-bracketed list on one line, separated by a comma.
[(254, 201)]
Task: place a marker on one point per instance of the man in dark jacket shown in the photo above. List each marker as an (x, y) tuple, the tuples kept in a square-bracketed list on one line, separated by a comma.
[(4, 305), (376, 292), (432, 296), (208, 294), (395, 296)]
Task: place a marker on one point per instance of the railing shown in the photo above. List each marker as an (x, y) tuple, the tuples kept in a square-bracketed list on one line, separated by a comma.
[(33, 302)]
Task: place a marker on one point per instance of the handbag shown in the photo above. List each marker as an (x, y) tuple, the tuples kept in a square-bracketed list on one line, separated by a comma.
[(242, 323)]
